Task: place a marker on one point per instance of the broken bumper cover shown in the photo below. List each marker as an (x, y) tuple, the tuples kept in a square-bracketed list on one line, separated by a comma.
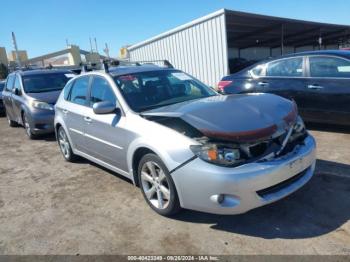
[(209, 188)]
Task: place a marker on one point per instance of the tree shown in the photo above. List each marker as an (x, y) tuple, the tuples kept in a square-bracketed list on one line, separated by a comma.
[(3, 71)]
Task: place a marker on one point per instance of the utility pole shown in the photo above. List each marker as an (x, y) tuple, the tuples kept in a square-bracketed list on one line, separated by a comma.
[(16, 50), (90, 45), (96, 45)]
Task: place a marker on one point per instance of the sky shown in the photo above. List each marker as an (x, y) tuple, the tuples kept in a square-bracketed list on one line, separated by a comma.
[(42, 26)]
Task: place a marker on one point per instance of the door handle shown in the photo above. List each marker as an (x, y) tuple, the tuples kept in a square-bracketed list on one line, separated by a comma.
[(87, 119), (263, 84), (314, 87)]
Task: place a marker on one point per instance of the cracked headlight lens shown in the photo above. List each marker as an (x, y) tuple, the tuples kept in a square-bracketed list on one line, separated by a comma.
[(42, 105), (217, 154)]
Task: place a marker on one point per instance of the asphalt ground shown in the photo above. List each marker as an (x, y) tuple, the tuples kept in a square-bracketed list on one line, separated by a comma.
[(49, 206)]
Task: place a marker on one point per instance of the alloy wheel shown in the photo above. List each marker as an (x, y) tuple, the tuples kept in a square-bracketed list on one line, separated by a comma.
[(27, 126), (64, 143), (155, 185)]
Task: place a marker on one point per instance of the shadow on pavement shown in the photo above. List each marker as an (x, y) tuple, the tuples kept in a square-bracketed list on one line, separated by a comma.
[(328, 128), (318, 208)]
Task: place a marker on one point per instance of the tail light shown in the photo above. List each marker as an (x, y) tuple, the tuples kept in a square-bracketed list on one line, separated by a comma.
[(223, 84)]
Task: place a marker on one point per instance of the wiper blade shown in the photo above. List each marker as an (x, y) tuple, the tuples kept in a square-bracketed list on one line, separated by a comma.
[(158, 105)]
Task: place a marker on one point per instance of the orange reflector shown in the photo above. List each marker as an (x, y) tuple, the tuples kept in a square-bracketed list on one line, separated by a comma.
[(212, 154)]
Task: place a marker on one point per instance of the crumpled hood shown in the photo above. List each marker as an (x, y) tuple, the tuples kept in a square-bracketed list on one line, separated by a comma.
[(48, 97), (241, 118)]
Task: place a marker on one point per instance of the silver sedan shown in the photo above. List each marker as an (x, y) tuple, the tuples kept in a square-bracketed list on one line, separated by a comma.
[(182, 143)]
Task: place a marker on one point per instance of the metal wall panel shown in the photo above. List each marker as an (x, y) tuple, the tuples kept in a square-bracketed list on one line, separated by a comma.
[(198, 48)]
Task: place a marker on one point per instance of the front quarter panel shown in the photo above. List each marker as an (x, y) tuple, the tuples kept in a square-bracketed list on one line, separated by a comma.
[(172, 147)]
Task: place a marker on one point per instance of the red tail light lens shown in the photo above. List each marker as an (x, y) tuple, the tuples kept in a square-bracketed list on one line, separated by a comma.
[(223, 84)]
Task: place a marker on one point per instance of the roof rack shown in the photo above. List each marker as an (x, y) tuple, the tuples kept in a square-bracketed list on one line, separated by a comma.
[(165, 62), (107, 63)]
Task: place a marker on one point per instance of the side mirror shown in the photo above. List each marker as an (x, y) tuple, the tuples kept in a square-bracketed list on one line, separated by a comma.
[(104, 107), (17, 92)]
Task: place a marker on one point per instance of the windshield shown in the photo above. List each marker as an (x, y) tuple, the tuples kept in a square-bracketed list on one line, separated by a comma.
[(149, 90), (44, 82)]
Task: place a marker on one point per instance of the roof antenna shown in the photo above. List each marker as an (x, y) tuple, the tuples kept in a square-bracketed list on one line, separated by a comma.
[(105, 66), (83, 68)]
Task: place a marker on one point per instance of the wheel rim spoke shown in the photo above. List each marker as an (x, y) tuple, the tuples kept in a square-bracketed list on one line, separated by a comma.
[(146, 177), (160, 199), (165, 192), (151, 168), (150, 192), (161, 176)]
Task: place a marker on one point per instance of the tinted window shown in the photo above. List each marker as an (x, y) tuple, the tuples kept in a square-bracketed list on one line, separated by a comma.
[(17, 84), (9, 82), (258, 70), (44, 82), (101, 91), (79, 90), (154, 89), (66, 90), (2, 85), (329, 67), (291, 67)]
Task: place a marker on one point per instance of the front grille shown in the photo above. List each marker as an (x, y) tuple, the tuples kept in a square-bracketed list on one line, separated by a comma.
[(275, 188)]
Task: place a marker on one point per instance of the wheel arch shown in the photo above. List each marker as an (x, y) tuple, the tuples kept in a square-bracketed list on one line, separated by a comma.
[(136, 158)]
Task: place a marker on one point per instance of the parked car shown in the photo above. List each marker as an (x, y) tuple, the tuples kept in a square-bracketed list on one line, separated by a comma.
[(184, 144), (318, 81), (29, 98), (2, 108)]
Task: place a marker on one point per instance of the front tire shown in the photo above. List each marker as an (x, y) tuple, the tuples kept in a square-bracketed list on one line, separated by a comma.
[(157, 186), (65, 146), (27, 127)]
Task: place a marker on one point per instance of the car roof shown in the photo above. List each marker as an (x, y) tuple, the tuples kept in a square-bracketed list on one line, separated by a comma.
[(123, 70), (342, 53), (43, 72)]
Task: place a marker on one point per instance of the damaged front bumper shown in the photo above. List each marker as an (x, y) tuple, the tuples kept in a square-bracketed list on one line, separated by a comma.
[(209, 188)]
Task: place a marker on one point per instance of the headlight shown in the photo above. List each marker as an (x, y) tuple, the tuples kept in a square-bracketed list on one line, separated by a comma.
[(217, 154), (42, 105), (299, 125)]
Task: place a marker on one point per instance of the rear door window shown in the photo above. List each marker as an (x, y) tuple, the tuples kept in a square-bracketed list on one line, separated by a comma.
[(329, 67), (78, 93), (289, 67)]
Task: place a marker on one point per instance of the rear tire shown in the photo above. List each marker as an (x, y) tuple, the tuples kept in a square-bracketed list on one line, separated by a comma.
[(10, 122), (65, 146), (157, 186)]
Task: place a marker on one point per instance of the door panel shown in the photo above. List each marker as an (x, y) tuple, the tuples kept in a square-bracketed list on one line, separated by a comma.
[(328, 100), (286, 78), (106, 136), (73, 115), (17, 100), (328, 90), (74, 112), (7, 96)]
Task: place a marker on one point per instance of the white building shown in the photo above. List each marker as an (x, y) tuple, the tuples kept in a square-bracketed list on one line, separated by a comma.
[(205, 46)]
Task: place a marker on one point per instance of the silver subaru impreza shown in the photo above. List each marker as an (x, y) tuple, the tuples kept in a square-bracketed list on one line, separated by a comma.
[(182, 143)]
